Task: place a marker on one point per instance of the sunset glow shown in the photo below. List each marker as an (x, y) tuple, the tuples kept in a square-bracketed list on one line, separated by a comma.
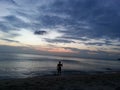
[(66, 26)]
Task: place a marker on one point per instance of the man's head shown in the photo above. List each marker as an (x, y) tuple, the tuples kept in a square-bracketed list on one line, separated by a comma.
[(59, 62)]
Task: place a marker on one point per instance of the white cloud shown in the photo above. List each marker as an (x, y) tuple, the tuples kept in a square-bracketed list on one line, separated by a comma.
[(53, 35), (28, 37)]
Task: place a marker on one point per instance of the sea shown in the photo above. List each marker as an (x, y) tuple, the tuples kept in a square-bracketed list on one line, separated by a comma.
[(16, 65)]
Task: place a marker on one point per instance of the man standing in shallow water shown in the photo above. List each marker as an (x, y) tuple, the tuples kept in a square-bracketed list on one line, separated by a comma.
[(59, 66)]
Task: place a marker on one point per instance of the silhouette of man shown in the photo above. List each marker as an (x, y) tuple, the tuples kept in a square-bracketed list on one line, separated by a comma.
[(59, 65)]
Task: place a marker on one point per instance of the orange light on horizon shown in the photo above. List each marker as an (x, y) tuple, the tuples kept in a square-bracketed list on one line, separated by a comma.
[(61, 50), (56, 50)]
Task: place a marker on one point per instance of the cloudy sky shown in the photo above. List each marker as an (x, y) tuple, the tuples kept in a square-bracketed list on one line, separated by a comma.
[(79, 28)]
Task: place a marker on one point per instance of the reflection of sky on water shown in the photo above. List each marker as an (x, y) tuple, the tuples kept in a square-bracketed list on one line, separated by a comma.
[(25, 65)]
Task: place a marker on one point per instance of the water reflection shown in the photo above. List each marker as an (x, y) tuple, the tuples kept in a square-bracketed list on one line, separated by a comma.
[(27, 65)]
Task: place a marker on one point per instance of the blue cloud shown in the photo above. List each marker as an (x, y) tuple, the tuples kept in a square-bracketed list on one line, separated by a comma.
[(90, 18), (15, 22), (5, 27), (101, 17), (10, 2)]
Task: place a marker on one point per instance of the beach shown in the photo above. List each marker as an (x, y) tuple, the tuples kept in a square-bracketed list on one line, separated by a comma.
[(38, 72), (101, 81)]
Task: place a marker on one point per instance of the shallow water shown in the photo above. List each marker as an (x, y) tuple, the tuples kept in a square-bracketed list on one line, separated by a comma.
[(28, 65)]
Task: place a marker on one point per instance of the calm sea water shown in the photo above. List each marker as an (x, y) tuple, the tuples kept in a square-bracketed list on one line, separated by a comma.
[(28, 65)]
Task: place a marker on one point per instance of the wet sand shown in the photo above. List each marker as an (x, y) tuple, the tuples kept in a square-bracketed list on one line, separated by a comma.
[(66, 82)]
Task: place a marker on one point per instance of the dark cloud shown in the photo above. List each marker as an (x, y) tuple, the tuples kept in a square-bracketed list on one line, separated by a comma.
[(97, 44), (117, 48), (48, 21), (40, 32), (102, 43), (11, 2), (9, 40), (5, 27), (76, 38), (16, 49), (11, 23), (99, 54), (102, 17), (59, 41), (15, 22)]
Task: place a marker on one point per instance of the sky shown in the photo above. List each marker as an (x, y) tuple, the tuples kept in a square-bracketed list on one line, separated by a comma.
[(77, 28)]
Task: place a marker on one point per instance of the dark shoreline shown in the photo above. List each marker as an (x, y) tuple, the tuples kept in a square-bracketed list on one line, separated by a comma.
[(64, 73), (54, 73), (65, 82)]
